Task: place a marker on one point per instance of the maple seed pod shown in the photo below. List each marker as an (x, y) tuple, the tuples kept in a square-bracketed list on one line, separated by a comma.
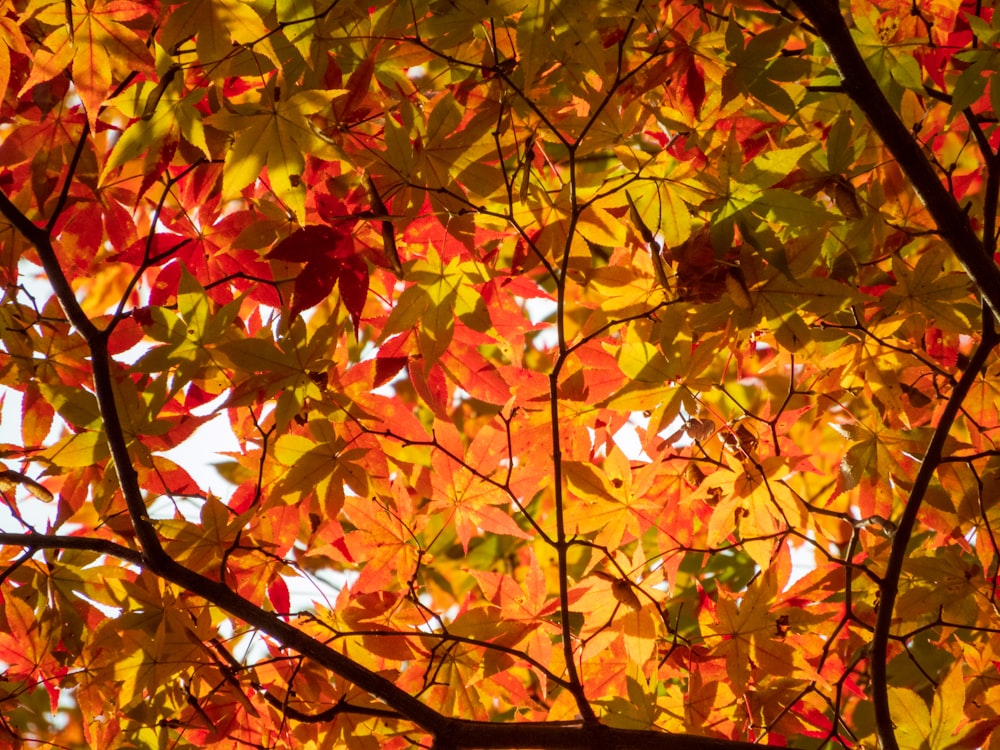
[(699, 429), (781, 626), (529, 155), (748, 441), (153, 100), (10, 480), (714, 497), (877, 524), (622, 591), (379, 211), (655, 248)]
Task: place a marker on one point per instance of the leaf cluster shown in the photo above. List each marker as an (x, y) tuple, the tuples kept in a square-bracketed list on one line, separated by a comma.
[(587, 376)]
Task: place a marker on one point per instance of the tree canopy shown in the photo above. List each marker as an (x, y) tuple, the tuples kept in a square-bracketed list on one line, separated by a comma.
[(612, 374)]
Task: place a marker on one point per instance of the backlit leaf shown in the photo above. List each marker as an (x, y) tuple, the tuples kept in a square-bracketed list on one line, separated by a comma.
[(499, 373)]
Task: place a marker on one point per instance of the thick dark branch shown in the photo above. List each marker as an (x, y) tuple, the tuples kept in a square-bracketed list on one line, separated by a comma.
[(449, 732), (954, 227), (59, 541), (103, 381), (342, 707), (477, 734), (283, 632), (42, 241), (160, 563), (230, 667), (445, 636), (858, 83), (153, 556), (455, 733)]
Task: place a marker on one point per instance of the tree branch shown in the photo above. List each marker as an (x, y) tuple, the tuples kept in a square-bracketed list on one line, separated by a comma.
[(889, 587), (452, 733), (42, 241), (59, 541), (954, 227), (153, 556), (485, 735), (448, 732), (859, 84)]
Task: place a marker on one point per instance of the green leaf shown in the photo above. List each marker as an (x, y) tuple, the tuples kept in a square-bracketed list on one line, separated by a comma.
[(76, 451), (276, 135), (642, 361), (773, 165)]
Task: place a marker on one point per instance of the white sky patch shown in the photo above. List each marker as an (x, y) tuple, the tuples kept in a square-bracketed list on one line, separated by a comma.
[(540, 311), (205, 448), (459, 396), (627, 438)]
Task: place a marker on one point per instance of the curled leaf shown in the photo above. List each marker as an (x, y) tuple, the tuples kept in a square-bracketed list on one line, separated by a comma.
[(622, 591)]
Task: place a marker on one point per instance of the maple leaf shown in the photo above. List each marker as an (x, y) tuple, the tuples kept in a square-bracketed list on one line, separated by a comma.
[(476, 507), (943, 726), (528, 603), (383, 541), (930, 290), (12, 41), (273, 134), (217, 24), (666, 412), (173, 115), (330, 261), (96, 44), (747, 628)]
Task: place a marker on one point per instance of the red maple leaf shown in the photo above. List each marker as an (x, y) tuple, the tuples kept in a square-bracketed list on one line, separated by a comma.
[(330, 259)]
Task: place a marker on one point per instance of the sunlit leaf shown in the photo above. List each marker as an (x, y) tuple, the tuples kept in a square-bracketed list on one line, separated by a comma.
[(499, 373)]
